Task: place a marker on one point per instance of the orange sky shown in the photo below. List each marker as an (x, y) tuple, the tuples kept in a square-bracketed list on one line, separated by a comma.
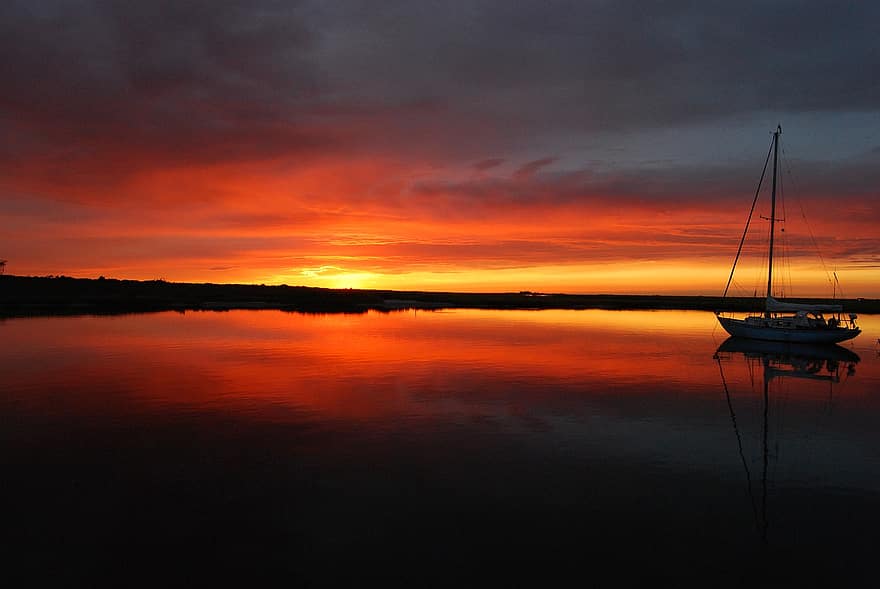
[(207, 143), (377, 223)]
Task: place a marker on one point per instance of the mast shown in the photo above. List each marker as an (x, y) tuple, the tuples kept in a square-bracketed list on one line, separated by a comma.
[(776, 135)]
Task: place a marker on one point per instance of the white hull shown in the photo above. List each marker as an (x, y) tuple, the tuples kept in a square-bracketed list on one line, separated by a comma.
[(823, 335)]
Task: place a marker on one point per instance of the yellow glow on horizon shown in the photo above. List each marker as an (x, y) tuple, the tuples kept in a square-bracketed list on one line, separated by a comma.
[(328, 277), (352, 280), (661, 277), (637, 278)]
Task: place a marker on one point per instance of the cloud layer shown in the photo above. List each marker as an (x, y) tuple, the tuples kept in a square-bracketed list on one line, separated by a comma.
[(260, 140)]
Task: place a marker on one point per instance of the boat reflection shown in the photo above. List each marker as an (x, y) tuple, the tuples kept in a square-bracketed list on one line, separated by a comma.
[(778, 360), (814, 361)]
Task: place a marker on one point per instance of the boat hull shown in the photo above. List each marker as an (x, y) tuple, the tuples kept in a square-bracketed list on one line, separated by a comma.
[(828, 335)]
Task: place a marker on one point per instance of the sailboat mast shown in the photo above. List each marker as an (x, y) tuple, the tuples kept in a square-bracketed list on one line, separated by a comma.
[(773, 214)]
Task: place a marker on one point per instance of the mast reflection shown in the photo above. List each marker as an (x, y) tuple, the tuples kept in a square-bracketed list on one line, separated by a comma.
[(778, 360)]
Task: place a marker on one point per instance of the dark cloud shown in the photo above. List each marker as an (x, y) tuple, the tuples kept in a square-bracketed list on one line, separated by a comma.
[(610, 65), (140, 84), (852, 183), (96, 90), (528, 170), (488, 164)]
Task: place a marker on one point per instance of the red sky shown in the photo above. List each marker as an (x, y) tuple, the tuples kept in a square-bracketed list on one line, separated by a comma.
[(491, 149)]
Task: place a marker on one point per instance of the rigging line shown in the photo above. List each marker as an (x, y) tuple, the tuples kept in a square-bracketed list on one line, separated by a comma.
[(809, 228), (786, 243), (761, 272), (740, 288), (750, 366), (742, 455), (836, 286), (748, 222)]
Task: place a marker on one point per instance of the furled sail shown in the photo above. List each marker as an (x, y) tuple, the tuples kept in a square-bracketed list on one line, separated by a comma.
[(775, 306)]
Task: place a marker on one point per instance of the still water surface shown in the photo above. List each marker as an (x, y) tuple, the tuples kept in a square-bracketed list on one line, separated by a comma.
[(435, 448)]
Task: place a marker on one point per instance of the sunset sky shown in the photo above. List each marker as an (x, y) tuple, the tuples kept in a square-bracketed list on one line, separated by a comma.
[(581, 147)]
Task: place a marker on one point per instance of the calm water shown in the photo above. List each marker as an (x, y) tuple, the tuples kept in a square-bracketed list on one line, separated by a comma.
[(435, 448)]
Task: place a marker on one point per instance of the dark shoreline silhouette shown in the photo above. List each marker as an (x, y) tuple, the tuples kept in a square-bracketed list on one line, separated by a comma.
[(31, 295)]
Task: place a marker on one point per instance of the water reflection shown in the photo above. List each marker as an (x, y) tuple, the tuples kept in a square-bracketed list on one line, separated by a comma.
[(778, 361), (428, 448)]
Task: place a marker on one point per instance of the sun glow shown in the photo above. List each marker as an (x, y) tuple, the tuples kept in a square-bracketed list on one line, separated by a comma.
[(328, 277), (352, 280)]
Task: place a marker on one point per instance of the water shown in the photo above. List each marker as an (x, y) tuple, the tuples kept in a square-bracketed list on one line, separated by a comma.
[(433, 448)]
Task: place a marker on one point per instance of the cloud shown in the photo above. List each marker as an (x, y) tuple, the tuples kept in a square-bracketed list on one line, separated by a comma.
[(487, 164), (214, 81), (599, 66), (321, 271), (528, 170), (113, 87), (217, 132)]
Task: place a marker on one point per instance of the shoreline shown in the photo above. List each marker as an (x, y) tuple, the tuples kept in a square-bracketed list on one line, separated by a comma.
[(23, 296)]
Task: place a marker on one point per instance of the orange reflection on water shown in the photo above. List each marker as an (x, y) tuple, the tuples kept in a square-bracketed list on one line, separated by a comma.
[(362, 366)]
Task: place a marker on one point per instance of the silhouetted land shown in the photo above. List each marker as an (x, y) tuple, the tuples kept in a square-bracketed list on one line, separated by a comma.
[(24, 295)]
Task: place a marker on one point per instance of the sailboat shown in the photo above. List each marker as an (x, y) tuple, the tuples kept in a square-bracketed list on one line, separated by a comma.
[(783, 321)]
